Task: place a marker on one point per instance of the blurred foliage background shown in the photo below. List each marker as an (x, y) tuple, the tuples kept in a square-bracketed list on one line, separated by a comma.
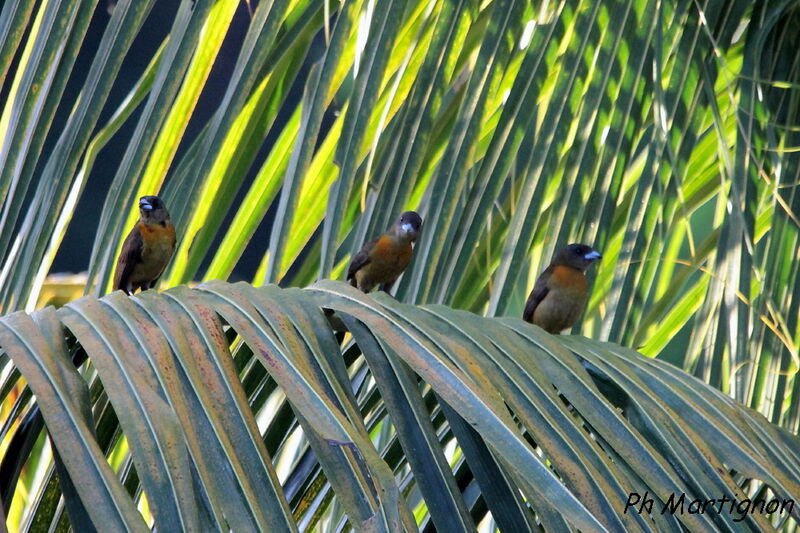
[(664, 133)]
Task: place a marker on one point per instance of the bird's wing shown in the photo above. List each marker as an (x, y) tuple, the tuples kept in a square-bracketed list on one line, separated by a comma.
[(130, 255), (540, 290), (360, 259)]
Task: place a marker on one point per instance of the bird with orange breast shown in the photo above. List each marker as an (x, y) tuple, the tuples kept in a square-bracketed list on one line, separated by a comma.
[(381, 261), (559, 295), (147, 249)]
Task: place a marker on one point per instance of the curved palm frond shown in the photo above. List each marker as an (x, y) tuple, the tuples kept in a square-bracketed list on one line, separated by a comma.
[(513, 128), (664, 133), (572, 426)]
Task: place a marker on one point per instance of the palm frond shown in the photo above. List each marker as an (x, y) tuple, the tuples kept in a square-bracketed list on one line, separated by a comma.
[(631, 423)]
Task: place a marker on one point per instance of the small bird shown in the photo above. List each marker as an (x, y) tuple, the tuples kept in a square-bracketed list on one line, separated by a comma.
[(559, 296), (382, 260), (147, 248)]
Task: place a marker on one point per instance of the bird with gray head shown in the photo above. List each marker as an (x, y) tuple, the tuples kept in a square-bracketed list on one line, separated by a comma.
[(382, 260), (559, 295), (147, 249)]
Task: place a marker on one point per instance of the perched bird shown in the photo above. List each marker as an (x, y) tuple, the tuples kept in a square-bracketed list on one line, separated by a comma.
[(382, 260), (559, 296), (147, 248)]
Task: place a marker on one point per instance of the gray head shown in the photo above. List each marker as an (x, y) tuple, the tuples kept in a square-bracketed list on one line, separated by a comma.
[(579, 256), (152, 210), (407, 226)]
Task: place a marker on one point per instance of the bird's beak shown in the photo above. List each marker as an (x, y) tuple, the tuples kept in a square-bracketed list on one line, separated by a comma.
[(145, 205), (592, 255), (407, 228)]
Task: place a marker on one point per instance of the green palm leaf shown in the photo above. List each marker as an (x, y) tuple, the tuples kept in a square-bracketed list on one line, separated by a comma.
[(165, 364), (665, 134)]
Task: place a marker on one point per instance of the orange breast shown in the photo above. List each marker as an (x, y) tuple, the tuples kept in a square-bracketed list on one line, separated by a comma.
[(389, 257), (158, 245), (568, 278), (155, 234), (389, 250), (385, 245), (564, 303)]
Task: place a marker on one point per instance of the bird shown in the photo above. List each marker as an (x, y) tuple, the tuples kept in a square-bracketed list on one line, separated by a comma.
[(383, 259), (147, 248), (559, 295)]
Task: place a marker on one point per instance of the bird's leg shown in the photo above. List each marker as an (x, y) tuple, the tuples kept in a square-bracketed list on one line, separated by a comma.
[(359, 282), (387, 287)]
